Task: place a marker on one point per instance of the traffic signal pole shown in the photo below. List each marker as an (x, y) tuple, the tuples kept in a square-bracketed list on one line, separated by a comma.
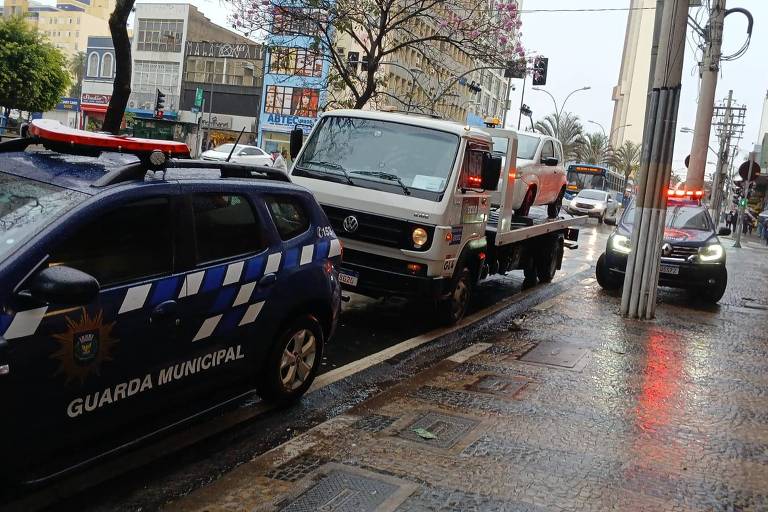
[(743, 204), (638, 298), (709, 68)]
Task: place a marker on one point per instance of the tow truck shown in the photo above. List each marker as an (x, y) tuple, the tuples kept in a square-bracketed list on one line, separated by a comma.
[(410, 197)]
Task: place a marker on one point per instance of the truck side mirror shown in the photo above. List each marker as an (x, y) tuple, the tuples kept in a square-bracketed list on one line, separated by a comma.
[(549, 161), (297, 140), (491, 172)]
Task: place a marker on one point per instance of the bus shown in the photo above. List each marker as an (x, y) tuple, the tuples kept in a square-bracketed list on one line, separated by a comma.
[(581, 176)]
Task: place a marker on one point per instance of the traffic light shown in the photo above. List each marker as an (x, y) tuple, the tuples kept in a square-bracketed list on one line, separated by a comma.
[(159, 104), (540, 71), (743, 202)]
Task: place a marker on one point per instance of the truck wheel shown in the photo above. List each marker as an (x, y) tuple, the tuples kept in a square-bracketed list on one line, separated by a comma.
[(553, 209), (453, 308), (547, 259), (527, 203), (604, 277), (292, 363), (714, 292)]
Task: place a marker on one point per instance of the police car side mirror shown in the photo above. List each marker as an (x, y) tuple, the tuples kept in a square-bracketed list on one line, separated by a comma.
[(491, 172), (64, 286), (724, 232), (297, 139)]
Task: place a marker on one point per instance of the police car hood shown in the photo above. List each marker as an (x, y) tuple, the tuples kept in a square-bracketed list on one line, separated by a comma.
[(679, 236), (378, 202)]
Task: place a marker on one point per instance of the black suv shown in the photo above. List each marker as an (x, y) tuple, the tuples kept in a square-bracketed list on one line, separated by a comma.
[(691, 254)]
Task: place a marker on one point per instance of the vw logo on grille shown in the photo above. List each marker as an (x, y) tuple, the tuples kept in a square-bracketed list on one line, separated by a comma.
[(666, 250), (350, 224)]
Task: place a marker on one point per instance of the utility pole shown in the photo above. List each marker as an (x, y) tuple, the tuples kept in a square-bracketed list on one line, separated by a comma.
[(716, 198), (708, 70), (638, 298)]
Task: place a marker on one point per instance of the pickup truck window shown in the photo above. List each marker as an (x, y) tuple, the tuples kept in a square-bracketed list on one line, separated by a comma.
[(548, 151), (384, 155), (527, 146)]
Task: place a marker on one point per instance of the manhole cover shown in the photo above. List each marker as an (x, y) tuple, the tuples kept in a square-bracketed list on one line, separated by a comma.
[(497, 385), (344, 489), (447, 429), (555, 354)]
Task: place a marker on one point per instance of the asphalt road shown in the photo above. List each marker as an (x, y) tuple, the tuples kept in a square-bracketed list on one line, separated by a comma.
[(190, 458)]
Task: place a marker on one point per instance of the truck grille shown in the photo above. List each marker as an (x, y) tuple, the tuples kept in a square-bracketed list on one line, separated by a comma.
[(585, 206), (376, 229)]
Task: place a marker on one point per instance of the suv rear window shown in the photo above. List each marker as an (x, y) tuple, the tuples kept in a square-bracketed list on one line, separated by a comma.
[(225, 226), (289, 215)]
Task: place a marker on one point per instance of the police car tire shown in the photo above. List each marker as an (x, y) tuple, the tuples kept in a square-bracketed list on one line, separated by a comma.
[(270, 385), (712, 294), (604, 278)]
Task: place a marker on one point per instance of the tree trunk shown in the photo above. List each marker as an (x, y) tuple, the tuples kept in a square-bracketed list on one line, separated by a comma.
[(118, 21)]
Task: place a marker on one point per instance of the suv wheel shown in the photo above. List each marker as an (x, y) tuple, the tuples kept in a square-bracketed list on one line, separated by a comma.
[(553, 209), (293, 362), (453, 308)]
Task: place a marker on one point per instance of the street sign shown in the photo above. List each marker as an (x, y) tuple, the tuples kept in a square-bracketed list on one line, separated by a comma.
[(744, 170), (198, 98)]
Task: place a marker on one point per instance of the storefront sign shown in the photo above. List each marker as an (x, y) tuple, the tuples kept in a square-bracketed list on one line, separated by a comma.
[(224, 50), (279, 123), (72, 104), (95, 99), (217, 122)]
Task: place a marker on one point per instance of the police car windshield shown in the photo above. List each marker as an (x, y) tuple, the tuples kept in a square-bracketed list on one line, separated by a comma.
[(372, 152), (27, 206), (678, 217)]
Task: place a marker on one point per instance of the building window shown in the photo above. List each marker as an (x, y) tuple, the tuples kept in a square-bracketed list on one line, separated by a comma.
[(292, 101), (148, 76), (93, 64), (352, 59), (159, 35), (106, 65), (297, 21), (295, 62)]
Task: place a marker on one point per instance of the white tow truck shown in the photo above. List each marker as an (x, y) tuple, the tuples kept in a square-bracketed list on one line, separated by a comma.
[(410, 197)]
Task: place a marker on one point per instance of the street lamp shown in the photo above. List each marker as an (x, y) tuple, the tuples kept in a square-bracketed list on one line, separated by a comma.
[(554, 101), (598, 124)]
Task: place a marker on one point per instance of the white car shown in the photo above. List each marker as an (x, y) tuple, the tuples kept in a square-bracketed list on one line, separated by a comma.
[(539, 170), (595, 203), (243, 154)]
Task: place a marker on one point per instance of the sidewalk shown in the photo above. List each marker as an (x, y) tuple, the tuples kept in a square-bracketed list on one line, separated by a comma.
[(569, 408)]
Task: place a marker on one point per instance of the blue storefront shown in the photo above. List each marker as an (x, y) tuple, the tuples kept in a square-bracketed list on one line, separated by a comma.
[(294, 81)]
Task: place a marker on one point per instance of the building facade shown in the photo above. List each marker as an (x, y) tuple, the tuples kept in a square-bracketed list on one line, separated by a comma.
[(631, 91), (97, 81)]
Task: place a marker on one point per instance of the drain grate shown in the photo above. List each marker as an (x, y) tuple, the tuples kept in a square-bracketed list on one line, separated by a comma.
[(374, 423), (343, 489), (560, 354), (297, 468), (448, 429), (497, 385)]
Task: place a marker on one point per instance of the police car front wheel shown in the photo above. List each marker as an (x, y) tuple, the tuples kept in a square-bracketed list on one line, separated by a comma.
[(293, 361)]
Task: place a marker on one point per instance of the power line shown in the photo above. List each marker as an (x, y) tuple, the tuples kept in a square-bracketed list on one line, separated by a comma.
[(607, 9)]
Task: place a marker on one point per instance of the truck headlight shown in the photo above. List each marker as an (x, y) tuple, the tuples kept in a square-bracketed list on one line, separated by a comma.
[(419, 237), (621, 244), (712, 252)]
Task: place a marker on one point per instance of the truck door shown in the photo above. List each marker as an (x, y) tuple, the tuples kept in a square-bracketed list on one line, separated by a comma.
[(548, 176)]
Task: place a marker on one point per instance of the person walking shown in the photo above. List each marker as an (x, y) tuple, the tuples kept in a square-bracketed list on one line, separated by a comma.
[(734, 220), (279, 161), (729, 220)]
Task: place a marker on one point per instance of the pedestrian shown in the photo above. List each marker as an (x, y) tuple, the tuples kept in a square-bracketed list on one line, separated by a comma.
[(745, 225), (734, 220), (278, 162), (729, 219)]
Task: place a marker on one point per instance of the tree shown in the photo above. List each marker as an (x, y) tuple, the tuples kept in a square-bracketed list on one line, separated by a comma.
[(596, 149), (566, 128), (121, 90), (77, 70), (627, 158), (448, 38), (33, 73)]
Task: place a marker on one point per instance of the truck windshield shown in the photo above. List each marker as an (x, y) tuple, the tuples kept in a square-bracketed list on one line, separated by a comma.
[(27, 206), (526, 146), (389, 156)]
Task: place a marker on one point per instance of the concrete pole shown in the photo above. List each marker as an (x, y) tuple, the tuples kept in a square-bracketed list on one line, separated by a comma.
[(745, 187), (716, 197), (638, 298), (710, 66)]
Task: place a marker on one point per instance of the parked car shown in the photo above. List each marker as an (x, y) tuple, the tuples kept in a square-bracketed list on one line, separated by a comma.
[(691, 254), (243, 154), (594, 203), (133, 301), (539, 172)]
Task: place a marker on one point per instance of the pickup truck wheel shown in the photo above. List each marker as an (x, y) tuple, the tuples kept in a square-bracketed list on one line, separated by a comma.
[(293, 362), (527, 203), (553, 209), (452, 309), (604, 277)]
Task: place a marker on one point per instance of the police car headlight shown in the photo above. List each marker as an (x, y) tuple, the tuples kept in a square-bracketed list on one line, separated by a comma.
[(712, 252), (419, 237), (621, 244)]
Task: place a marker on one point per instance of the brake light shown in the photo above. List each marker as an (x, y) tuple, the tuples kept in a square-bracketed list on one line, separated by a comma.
[(512, 173), (474, 181)]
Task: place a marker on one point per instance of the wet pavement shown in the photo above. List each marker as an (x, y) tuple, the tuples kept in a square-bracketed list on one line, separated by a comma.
[(560, 406)]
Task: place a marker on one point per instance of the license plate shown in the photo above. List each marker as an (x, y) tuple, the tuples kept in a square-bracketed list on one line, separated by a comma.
[(669, 269), (348, 277)]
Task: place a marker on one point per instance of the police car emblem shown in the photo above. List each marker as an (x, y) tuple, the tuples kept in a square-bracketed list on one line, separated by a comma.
[(85, 344), (350, 224), (666, 250)]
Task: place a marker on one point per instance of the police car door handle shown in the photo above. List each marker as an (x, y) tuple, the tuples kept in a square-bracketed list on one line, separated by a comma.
[(268, 280), (165, 311)]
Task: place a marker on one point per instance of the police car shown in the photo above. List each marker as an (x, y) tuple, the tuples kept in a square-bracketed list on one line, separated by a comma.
[(692, 256), (140, 288)]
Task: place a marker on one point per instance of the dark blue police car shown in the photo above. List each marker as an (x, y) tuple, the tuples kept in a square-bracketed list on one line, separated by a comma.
[(691, 256), (138, 291)]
